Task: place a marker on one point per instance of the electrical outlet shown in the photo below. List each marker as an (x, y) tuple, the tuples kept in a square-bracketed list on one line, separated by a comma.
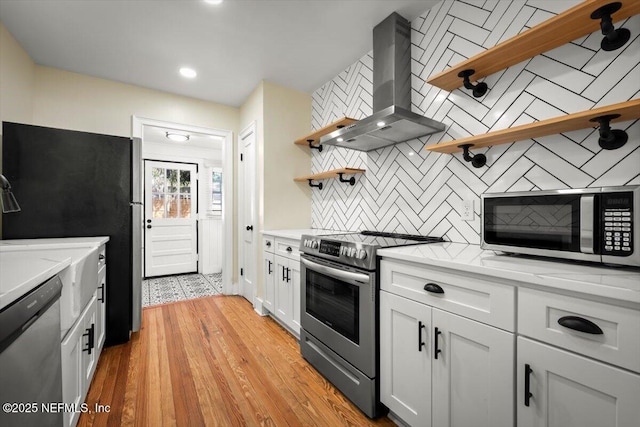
[(467, 210)]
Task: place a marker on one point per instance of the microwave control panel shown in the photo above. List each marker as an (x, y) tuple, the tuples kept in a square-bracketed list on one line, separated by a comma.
[(617, 218)]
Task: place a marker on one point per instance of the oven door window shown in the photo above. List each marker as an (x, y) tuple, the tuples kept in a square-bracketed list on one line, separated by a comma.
[(543, 222), (334, 303)]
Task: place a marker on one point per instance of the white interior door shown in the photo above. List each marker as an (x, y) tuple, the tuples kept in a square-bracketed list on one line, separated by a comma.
[(248, 200), (171, 210)]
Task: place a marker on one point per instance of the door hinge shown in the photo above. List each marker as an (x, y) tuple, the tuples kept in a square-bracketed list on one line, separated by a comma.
[(242, 271), (241, 157)]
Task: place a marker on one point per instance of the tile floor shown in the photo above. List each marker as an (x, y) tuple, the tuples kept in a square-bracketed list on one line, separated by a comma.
[(161, 290)]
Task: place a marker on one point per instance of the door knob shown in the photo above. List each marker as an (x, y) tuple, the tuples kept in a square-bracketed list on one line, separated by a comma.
[(249, 227), (148, 226), (148, 221)]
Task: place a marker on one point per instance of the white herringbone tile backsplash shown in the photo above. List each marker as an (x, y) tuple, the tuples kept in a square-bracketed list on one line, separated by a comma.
[(407, 189)]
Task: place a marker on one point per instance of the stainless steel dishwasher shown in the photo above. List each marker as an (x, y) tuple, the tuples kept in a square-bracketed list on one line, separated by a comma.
[(30, 368)]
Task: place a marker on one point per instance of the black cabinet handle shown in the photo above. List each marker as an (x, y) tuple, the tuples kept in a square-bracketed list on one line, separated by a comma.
[(283, 278), (580, 324), (101, 287), (101, 257), (433, 288), (435, 345), (268, 244), (288, 278), (269, 267), (421, 343), (289, 249), (249, 227), (90, 334), (527, 383)]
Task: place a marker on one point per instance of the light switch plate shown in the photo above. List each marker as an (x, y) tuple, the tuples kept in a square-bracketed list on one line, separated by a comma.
[(467, 210)]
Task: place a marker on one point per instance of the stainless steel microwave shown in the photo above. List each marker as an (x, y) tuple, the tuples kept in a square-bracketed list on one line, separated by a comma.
[(592, 224)]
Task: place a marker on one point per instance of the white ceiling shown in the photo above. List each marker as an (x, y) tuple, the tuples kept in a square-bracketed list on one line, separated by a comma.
[(300, 44)]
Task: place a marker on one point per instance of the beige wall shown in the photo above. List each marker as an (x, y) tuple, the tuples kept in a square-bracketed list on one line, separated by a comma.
[(75, 101), (17, 72), (281, 116), (287, 117)]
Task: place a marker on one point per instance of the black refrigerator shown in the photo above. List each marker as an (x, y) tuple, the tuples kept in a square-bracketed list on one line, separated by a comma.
[(75, 184)]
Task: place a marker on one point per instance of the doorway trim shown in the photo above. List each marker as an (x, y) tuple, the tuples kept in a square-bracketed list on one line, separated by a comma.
[(137, 131)]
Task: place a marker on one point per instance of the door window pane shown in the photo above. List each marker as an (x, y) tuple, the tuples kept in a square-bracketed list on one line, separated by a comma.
[(158, 205)]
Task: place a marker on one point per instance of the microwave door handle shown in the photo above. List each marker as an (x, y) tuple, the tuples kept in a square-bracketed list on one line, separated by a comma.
[(336, 273), (586, 223)]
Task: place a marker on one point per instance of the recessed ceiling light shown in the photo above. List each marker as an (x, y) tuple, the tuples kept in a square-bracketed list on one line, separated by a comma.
[(213, 1), (178, 137), (189, 73)]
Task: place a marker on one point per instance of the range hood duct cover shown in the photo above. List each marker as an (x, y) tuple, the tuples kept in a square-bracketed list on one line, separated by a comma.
[(391, 95)]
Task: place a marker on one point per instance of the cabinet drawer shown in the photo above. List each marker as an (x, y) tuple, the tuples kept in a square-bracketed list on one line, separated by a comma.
[(268, 244), (619, 343), (486, 302), (287, 248)]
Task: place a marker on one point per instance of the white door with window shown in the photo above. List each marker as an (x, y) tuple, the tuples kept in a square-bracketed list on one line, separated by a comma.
[(248, 200), (171, 210)]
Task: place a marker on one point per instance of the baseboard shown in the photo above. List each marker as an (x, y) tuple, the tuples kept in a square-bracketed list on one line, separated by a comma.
[(258, 307)]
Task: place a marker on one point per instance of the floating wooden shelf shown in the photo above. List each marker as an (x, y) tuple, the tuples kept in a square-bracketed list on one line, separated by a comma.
[(314, 138), (561, 29), (628, 110), (329, 174)]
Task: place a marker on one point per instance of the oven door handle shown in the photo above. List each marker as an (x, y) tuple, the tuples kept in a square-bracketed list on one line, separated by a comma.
[(336, 273)]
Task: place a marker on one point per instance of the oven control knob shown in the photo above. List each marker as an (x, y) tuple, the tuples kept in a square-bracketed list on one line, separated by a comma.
[(352, 252), (362, 254), (314, 244), (306, 243), (344, 251)]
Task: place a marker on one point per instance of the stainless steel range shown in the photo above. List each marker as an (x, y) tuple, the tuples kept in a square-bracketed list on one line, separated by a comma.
[(339, 309)]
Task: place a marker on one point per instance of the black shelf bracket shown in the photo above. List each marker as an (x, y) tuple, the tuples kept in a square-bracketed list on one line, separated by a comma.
[(315, 147), (477, 160), (613, 39), (318, 185), (351, 180), (610, 139), (479, 89)]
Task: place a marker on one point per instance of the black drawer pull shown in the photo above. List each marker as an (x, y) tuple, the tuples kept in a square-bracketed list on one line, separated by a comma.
[(270, 270), (433, 288), (527, 384), (289, 249), (268, 244), (579, 324), (421, 343)]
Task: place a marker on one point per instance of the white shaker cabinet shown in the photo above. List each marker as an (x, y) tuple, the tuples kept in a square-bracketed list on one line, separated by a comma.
[(568, 390), (82, 345), (79, 358), (437, 367), (282, 281), (405, 358), (578, 362)]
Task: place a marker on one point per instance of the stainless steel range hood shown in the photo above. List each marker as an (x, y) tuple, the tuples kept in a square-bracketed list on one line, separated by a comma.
[(392, 121)]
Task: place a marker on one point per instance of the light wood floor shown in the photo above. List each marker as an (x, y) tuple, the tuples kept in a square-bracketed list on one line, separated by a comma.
[(214, 361)]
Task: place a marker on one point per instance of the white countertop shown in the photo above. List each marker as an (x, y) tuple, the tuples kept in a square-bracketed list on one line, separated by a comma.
[(21, 272), (26, 263), (620, 283), (67, 242), (296, 234)]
